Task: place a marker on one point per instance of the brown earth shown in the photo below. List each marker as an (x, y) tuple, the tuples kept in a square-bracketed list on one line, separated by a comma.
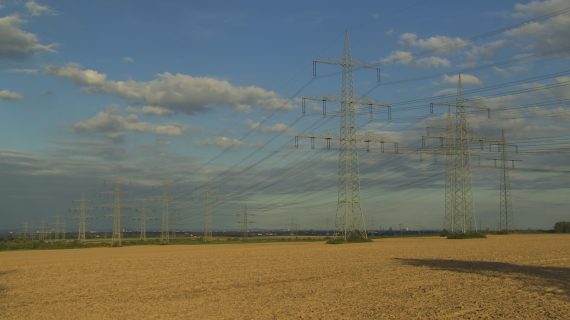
[(501, 277)]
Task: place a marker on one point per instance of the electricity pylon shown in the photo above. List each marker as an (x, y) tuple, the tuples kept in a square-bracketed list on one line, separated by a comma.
[(164, 233), (294, 227), (456, 139), (349, 219), (58, 228), (208, 208), (142, 223), (116, 235), (173, 215), (82, 210), (24, 235), (245, 221), (506, 211)]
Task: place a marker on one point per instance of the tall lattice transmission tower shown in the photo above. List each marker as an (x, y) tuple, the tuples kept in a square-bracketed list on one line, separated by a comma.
[(506, 212), (208, 210), (164, 232), (82, 213), (116, 234), (349, 219), (456, 139), (245, 221)]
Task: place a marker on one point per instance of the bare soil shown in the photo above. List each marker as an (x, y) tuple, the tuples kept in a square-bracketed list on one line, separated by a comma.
[(501, 277)]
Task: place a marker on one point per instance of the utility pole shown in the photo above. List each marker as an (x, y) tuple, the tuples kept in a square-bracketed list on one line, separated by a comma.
[(208, 208), (349, 219), (455, 142), (505, 203)]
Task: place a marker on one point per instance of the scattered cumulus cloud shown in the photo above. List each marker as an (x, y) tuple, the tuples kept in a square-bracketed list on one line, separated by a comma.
[(37, 9), (408, 58), (402, 57), (275, 128), (24, 70), (128, 60), (10, 95), (466, 79), (176, 92), (223, 142), (436, 44), (114, 125), (16, 43), (157, 111), (435, 62), (548, 36)]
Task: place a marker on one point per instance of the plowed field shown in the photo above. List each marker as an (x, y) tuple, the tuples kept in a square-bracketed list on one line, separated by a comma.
[(501, 277)]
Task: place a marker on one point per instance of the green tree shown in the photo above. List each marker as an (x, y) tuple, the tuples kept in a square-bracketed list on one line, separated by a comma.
[(562, 227)]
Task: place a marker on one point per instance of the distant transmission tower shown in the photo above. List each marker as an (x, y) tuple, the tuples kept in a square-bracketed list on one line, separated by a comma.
[(208, 208), (455, 142), (245, 222), (142, 223), (349, 220), (164, 233), (506, 211), (173, 228), (82, 210), (57, 230), (116, 235)]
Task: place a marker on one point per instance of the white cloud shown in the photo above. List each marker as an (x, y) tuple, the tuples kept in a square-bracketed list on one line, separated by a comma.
[(223, 142), (128, 60), (275, 128), (17, 43), (549, 36), (466, 79), (403, 57), (485, 50), (10, 95), (114, 125), (408, 58), (37, 9), (158, 111), (433, 62), (176, 92), (559, 113), (437, 44), (24, 70)]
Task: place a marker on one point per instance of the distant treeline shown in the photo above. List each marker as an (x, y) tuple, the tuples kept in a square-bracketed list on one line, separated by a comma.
[(562, 227)]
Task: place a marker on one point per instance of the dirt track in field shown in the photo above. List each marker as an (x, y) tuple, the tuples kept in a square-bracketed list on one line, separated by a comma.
[(501, 277)]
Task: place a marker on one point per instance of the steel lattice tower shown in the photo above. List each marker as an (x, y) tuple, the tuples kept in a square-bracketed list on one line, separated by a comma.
[(506, 211), (82, 216), (349, 217), (349, 214), (464, 214), (164, 233), (505, 203), (116, 238), (208, 208), (455, 141)]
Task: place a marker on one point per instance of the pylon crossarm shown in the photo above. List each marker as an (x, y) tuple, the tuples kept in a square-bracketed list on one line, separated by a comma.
[(353, 64), (450, 104), (370, 104)]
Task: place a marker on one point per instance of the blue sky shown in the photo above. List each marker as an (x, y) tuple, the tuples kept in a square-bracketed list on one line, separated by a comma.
[(186, 91)]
